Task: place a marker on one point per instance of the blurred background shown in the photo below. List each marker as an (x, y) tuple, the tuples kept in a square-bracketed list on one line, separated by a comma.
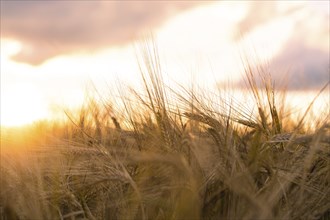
[(50, 50)]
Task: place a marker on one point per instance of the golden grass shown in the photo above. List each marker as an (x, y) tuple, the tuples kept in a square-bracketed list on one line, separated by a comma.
[(169, 158)]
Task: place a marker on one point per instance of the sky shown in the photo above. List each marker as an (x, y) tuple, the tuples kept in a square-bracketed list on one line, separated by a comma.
[(50, 50)]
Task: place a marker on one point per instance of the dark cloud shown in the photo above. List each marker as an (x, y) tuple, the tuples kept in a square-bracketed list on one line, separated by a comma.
[(50, 28)]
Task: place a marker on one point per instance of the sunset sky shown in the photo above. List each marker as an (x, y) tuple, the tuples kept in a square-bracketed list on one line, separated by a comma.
[(50, 50)]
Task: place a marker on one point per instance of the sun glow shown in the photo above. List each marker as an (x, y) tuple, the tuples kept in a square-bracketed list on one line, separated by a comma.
[(198, 45), (10, 47), (21, 104)]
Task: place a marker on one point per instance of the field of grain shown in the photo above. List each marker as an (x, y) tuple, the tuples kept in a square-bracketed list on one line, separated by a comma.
[(168, 154)]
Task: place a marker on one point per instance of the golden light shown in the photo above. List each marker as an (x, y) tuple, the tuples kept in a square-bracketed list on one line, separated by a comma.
[(192, 45), (21, 104), (9, 47)]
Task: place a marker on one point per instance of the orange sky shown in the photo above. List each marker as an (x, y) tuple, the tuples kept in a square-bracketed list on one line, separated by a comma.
[(50, 50)]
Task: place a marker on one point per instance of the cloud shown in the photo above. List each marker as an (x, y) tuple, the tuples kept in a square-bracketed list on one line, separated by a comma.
[(307, 67), (50, 28), (303, 61), (297, 67), (259, 13), (306, 53)]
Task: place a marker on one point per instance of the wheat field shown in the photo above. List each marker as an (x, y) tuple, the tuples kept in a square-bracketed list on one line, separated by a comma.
[(167, 154)]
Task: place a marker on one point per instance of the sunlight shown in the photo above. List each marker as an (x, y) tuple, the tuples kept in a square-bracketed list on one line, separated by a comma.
[(21, 104), (206, 52), (164, 109), (10, 47)]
